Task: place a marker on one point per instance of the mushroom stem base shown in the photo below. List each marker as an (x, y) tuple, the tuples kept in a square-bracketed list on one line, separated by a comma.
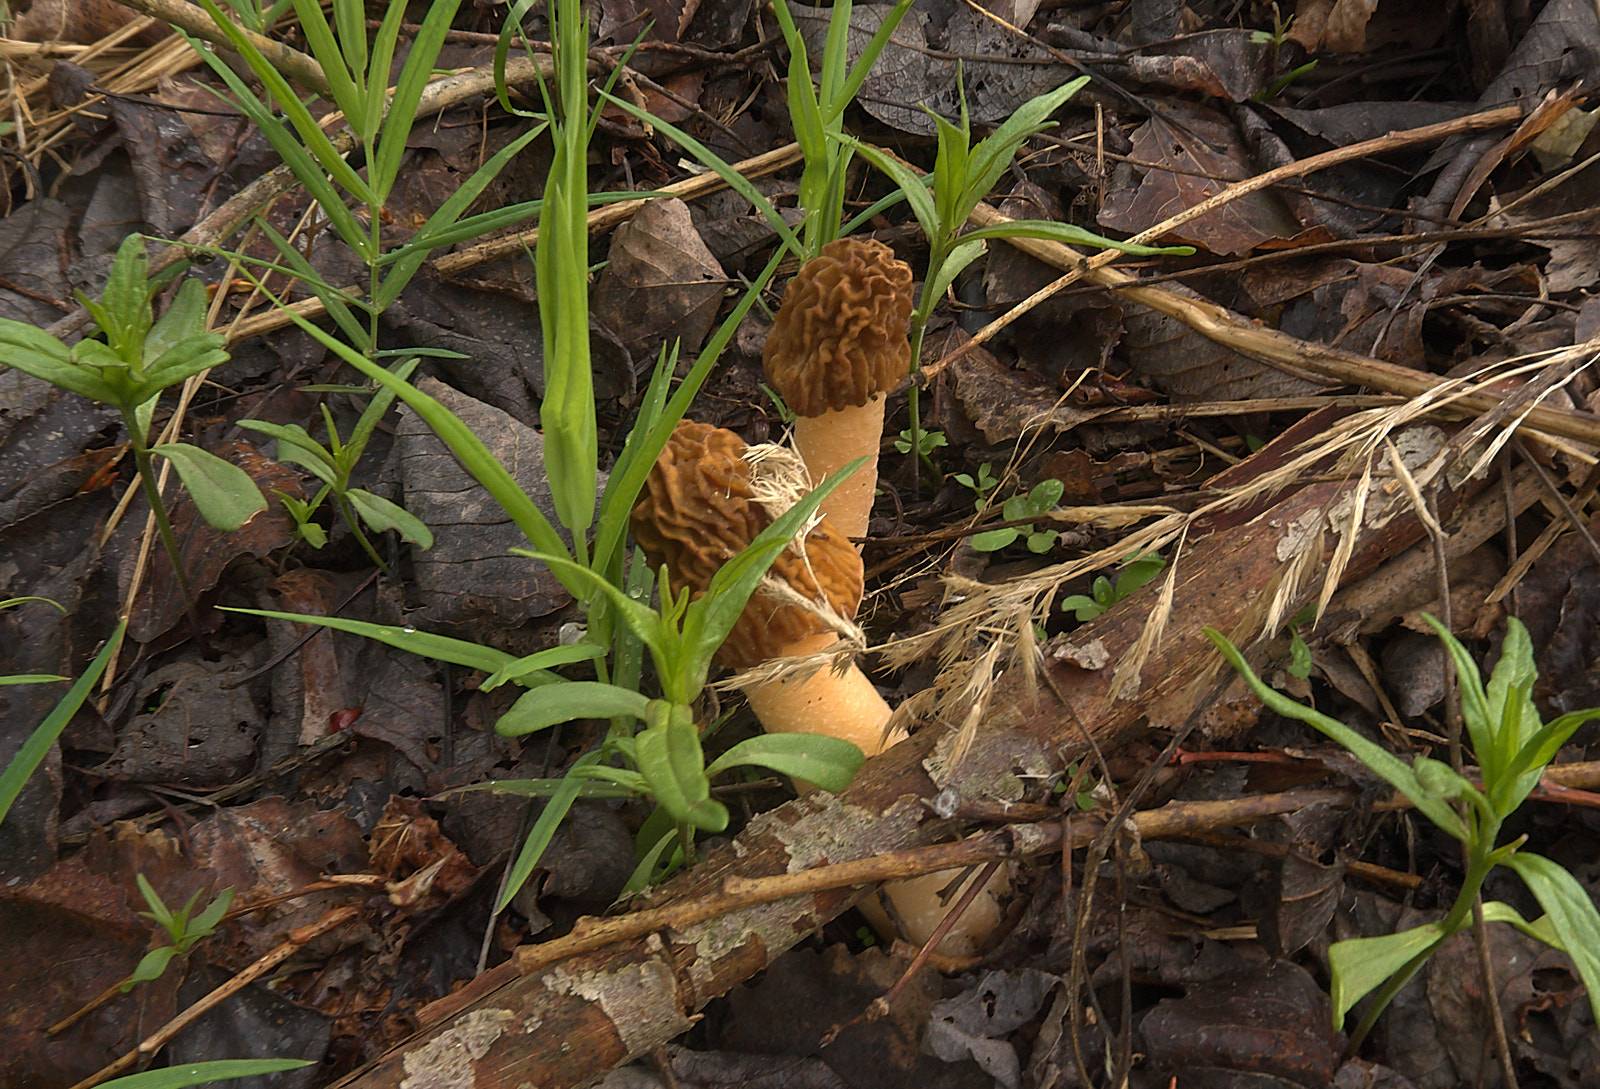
[(843, 705), (828, 441)]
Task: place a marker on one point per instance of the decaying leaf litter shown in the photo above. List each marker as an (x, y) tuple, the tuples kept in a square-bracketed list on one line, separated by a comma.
[(1366, 397)]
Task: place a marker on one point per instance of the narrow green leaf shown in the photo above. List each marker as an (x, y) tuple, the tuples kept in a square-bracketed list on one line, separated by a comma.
[(869, 57), (670, 758), (1378, 760), (992, 156), (37, 746), (441, 648), (966, 252), (916, 192), (544, 829), (718, 165), (644, 445), (542, 660), (553, 704), (334, 301), (30, 678), (325, 48), (305, 167), (402, 111), (181, 1077), (312, 138), (712, 616), (432, 233), (1069, 235), (1522, 773), (223, 493)]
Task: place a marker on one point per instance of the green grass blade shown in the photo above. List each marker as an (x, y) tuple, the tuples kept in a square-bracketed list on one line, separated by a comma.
[(544, 830), (311, 135), (441, 648), (37, 746), (325, 48), (641, 449), (402, 112), (181, 1077), (719, 166)]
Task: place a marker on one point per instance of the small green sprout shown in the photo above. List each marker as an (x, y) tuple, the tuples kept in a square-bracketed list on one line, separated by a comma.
[(184, 930), (1104, 593), (1040, 500)]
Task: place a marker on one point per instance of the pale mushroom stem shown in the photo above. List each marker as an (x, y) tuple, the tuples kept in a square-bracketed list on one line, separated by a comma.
[(846, 705), (833, 439)]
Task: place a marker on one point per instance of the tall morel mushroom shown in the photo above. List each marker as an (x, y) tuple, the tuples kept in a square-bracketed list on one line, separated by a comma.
[(839, 346), (698, 509)]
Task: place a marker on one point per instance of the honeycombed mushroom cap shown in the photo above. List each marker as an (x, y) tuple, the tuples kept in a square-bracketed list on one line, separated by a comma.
[(698, 510), (842, 332)]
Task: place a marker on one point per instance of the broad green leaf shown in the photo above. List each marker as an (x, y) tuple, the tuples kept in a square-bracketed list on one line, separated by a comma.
[(380, 514), (1362, 965), (184, 318), (441, 648), (1570, 913), (540, 661), (223, 493), (1382, 763), (670, 758), (1067, 234), (1521, 775), (181, 1077), (37, 746), (829, 762), (993, 540), (188, 357), (151, 966), (552, 704), (35, 352), (124, 313), (544, 829), (206, 922)]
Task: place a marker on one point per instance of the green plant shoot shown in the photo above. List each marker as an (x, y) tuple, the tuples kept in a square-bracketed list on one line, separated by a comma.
[(1512, 746)]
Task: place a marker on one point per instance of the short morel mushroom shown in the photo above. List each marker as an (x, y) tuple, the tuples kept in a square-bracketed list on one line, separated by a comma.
[(840, 344), (698, 509)]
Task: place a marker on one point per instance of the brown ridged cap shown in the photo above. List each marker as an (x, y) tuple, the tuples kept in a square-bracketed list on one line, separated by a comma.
[(842, 333), (697, 511)]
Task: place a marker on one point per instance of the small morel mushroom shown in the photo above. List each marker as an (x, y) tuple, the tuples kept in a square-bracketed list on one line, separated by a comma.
[(698, 509), (839, 346)]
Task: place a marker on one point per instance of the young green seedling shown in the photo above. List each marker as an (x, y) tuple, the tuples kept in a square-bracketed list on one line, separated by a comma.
[(138, 358), (184, 930), (1512, 746), (334, 465), (1104, 593)]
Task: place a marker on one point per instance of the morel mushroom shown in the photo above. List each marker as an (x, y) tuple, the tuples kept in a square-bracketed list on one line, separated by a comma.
[(839, 346), (698, 509)]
